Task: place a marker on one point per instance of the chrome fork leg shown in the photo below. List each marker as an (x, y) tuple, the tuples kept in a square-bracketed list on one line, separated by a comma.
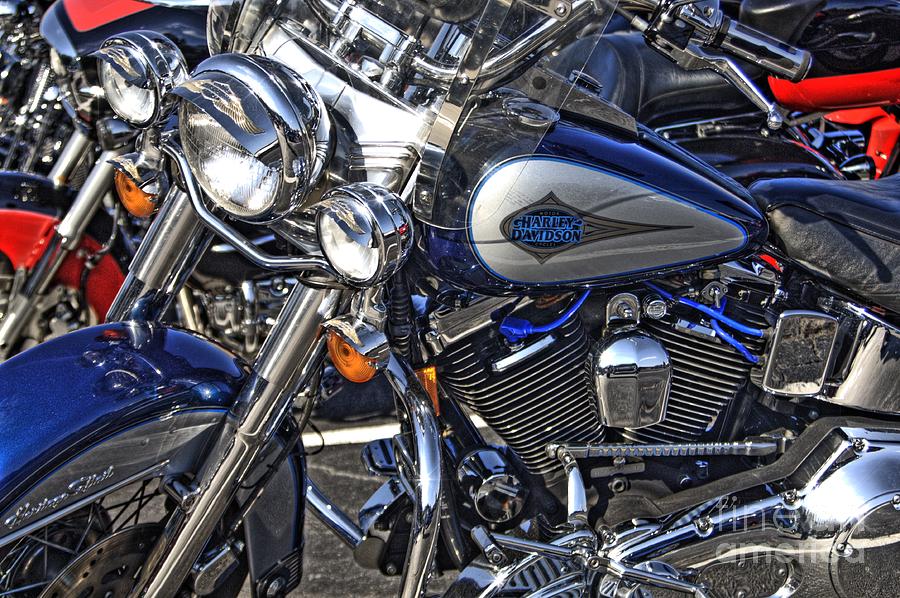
[(427, 486), (166, 258), (68, 158), (289, 354), (66, 238)]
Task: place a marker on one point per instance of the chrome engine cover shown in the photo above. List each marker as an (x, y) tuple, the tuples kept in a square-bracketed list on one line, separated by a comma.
[(632, 377), (832, 530)]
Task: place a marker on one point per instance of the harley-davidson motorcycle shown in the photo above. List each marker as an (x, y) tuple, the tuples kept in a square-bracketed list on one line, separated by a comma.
[(66, 240), (691, 387), (235, 303)]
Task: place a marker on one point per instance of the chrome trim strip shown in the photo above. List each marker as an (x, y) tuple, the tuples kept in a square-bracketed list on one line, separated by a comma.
[(510, 360)]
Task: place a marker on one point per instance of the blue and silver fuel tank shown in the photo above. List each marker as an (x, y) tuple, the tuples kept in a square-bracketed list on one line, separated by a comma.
[(529, 199)]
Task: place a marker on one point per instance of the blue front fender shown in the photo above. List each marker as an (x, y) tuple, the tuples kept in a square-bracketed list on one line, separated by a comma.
[(91, 411), (63, 396)]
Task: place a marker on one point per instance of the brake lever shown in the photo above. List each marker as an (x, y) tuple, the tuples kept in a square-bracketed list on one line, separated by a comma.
[(694, 58)]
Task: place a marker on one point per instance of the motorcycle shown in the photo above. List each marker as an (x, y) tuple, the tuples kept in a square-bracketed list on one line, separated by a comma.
[(74, 283), (841, 115), (694, 385), (64, 248), (33, 121)]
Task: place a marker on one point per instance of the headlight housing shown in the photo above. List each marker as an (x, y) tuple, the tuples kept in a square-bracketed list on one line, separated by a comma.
[(137, 71), (256, 135), (365, 232)]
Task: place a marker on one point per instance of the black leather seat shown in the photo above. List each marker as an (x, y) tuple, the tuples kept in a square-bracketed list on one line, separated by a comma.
[(847, 231), (646, 84)]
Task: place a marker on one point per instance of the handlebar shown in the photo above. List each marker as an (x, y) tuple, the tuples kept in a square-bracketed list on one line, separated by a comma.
[(758, 48)]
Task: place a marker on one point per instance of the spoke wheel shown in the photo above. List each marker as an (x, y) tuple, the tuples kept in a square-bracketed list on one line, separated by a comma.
[(107, 569)]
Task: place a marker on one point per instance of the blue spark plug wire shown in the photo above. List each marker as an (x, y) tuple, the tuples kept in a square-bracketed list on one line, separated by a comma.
[(717, 316), (712, 313), (738, 345), (516, 329)]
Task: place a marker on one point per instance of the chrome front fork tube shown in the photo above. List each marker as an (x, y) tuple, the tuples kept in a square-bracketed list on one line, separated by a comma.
[(291, 352), (67, 237), (69, 157), (422, 425), (167, 256)]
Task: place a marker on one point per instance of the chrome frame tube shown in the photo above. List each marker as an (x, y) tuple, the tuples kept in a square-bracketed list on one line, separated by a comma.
[(291, 352), (67, 237), (175, 243), (331, 516), (89, 199), (425, 433), (69, 157)]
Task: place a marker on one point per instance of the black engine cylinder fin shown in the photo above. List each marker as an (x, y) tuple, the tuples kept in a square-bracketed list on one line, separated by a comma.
[(546, 398), (707, 376)]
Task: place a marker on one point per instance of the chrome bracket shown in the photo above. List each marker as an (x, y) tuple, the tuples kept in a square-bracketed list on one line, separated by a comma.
[(557, 9), (183, 494)]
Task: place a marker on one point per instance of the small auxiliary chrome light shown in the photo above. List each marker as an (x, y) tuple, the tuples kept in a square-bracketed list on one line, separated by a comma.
[(365, 232)]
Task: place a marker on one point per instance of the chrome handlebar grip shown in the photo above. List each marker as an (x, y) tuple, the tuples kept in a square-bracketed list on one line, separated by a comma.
[(767, 52)]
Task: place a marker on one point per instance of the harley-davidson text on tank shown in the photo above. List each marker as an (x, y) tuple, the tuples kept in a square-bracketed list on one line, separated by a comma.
[(523, 217)]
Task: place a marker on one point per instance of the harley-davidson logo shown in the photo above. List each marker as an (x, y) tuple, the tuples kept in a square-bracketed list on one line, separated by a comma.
[(550, 227)]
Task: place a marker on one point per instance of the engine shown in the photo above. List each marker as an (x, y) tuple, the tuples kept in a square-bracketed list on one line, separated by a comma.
[(622, 369)]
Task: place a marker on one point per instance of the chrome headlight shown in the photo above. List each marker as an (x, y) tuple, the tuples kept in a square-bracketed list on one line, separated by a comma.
[(255, 134), (365, 232), (137, 71)]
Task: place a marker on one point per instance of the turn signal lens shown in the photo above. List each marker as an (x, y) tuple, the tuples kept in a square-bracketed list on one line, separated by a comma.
[(428, 377), (353, 365), (137, 201)]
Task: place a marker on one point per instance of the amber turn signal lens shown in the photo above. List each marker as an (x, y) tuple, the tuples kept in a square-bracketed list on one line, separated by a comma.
[(137, 201), (428, 377), (353, 365)]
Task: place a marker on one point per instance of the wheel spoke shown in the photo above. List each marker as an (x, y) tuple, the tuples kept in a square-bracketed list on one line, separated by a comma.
[(19, 590)]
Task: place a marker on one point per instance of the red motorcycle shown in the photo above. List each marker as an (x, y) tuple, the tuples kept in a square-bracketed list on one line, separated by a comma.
[(856, 71), (62, 254), (840, 115)]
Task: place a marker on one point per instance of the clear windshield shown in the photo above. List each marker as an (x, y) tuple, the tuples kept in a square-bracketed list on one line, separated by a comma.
[(428, 79)]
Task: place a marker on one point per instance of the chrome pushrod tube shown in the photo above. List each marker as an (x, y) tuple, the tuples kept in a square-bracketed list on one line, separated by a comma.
[(331, 516), (174, 244), (290, 353), (66, 238), (69, 157), (422, 425)]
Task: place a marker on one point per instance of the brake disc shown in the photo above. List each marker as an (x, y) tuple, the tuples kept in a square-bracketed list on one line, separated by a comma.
[(108, 568)]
